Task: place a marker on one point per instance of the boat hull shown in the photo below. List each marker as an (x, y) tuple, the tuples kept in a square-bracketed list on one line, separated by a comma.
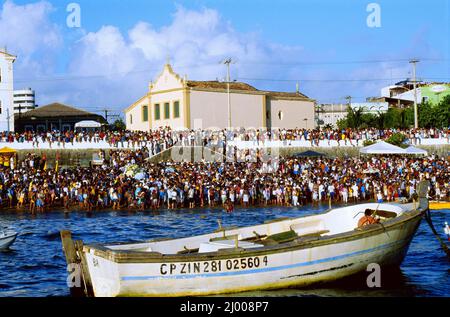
[(291, 266)]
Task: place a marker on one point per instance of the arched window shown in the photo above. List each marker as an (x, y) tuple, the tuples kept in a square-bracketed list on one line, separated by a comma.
[(280, 115)]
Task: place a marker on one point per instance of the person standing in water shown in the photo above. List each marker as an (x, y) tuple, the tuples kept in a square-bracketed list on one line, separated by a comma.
[(229, 206)]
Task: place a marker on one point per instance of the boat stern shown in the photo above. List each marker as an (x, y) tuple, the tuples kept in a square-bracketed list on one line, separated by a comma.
[(103, 273)]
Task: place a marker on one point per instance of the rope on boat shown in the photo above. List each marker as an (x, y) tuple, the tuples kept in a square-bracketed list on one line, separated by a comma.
[(430, 223)]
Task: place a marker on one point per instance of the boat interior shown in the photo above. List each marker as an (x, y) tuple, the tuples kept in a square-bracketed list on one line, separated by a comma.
[(273, 232)]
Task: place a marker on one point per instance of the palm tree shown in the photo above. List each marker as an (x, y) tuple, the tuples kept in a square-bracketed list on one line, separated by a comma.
[(354, 117), (381, 119)]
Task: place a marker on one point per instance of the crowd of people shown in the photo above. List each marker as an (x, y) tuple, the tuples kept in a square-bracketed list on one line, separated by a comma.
[(126, 180), (164, 137), (157, 139)]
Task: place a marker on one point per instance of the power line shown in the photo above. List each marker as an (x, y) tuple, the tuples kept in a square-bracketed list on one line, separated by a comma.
[(132, 72), (346, 62), (68, 78), (337, 80)]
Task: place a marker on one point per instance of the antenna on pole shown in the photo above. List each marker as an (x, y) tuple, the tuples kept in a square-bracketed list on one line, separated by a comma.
[(349, 99), (227, 62), (416, 119)]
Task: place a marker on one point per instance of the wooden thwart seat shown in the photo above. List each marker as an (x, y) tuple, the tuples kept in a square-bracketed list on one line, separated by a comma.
[(385, 213), (187, 251), (281, 237), (291, 235), (230, 237)]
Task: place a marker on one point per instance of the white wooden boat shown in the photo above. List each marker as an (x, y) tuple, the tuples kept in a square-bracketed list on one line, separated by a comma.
[(7, 238), (278, 254)]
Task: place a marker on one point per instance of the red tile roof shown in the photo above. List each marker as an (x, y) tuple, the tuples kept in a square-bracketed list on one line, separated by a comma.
[(241, 86), (219, 85)]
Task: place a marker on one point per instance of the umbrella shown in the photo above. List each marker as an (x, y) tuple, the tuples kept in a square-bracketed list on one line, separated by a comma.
[(382, 147), (139, 176), (170, 170), (7, 150), (309, 154), (413, 150)]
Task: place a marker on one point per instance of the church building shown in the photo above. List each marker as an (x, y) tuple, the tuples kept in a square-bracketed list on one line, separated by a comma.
[(180, 103)]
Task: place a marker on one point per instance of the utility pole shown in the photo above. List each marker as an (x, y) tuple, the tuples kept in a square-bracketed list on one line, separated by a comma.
[(416, 119), (7, 117), (106, 114), (228, 62), (349, 98)]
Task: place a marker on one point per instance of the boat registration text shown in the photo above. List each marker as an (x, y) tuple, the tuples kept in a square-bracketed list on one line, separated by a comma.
[(213, 266)]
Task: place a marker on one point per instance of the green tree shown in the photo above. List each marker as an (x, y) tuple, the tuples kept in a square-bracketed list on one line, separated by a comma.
[(380, 120), (426, 114), (342, 124), (397, 139), (442, 113), (118, 125), (354, 118)]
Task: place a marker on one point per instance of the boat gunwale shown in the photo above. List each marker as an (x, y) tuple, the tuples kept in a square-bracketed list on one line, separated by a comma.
[(132, 256), (11, 234)]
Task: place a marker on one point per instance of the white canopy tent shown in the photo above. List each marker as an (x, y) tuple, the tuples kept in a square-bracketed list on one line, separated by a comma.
[(413, 150), (88, 124), (382, 147)]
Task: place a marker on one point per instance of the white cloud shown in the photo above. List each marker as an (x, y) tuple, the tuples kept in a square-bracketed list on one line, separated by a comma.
[(28, 33), (112, 67), (27, 30), (195, 41)]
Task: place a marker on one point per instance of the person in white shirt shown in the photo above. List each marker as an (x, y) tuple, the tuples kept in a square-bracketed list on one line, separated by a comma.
[(345, 194), (355, 191), (321, 191)]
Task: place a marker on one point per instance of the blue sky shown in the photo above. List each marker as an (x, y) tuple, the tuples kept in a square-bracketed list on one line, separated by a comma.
[(326, 45)]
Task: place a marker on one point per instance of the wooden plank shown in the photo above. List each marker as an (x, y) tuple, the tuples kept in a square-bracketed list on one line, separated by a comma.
[(385, 214), (88, 289), (223, 229), (68, 247), (230, 237), (71, 259), (314, 234)]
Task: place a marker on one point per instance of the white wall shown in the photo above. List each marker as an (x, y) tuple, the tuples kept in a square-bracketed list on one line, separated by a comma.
[(167, 88), (331, 117), (136, 123), (293, 113), (168, 97), (212, 109), (409, 95), (166, 80), (6, 92)]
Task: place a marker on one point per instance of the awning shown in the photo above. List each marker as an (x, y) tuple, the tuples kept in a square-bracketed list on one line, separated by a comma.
[(413, 150), (309, 154), (382, 147), (88, 124), (7, 150)]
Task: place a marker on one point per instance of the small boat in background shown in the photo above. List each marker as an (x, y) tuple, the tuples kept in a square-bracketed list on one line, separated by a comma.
[(7, 238), (447, 230), (438, 205)]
